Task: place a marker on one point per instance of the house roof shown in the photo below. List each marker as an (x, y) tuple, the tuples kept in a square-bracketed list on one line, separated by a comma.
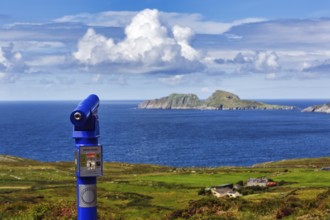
[(229, 185), (258, 180)]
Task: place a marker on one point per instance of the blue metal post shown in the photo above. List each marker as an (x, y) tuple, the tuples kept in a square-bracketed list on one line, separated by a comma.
[(88, 155)]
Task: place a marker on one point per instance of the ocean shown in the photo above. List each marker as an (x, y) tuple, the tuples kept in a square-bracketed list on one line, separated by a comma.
[(182, 138)]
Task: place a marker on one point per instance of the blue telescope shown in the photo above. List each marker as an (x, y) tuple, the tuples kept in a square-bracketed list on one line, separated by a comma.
[(85, 119), (85, 110), (88, 155)]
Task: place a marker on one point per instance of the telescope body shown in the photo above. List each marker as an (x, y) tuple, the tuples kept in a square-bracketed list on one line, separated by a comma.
[(88, 155)]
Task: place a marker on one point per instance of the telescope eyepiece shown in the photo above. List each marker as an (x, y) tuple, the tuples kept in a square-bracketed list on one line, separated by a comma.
[(77, 116), (85, 110)]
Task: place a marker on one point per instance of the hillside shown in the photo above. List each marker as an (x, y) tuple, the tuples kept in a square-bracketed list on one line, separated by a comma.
[(39, 190), (219, 100), (173, 101)]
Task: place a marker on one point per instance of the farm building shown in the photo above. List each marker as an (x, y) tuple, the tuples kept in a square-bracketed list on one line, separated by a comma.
[(262, 182)]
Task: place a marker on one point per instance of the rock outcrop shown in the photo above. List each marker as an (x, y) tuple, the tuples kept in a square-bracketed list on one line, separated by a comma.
[(173, 101), (219, 100), (318, 108)]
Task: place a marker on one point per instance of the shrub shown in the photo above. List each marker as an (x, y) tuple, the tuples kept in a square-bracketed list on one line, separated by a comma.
[(251, 190), (60, 210), (204, 192), (241, 183), (284, 211), (288, 207), (266, 207), (212, 208), (40, 211), (319, 200), (282, 182)]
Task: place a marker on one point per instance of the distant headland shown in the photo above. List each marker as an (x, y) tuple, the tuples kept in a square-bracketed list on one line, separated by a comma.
[(318, 108), (219, 100)]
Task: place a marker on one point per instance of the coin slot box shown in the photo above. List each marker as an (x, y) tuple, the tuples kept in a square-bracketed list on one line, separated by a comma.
[(89, 161)]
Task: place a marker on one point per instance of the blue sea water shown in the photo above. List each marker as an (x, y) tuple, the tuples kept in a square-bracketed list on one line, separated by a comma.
[(42, 131)]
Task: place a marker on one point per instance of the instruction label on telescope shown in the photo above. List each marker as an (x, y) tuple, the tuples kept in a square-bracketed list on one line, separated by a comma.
[(90, 161)]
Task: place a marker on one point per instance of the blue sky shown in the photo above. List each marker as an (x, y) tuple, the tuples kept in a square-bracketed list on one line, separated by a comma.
[(125, 49)]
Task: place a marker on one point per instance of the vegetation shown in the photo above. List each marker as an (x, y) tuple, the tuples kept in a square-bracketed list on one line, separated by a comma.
[(229, 100), (173, 101), (219, 100), (36, 190)]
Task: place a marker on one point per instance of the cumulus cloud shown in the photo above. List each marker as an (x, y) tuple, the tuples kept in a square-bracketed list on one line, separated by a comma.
[(148, 46), (150, 41), (265, 62), (259, 61), (11, 64)]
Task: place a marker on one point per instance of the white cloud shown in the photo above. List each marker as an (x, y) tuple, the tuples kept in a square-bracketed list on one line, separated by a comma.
[(266, 62), (93, 48), (253, 62), (182, 35), (271, 76), (11, 64), (172, 80), (205, 90), (96, 78), (39, 46), (47, 61), (295, 34), (107, 19), (171, 43), (148, 45), (201, 26), (318, 66), (122, 18)]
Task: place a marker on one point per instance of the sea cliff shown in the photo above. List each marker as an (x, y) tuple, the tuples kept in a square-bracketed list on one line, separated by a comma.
[(173, 101), (219, 100), (318, 108)]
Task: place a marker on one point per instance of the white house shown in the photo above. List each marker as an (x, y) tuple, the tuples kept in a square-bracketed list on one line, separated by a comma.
[(257, 182), (225, 191)]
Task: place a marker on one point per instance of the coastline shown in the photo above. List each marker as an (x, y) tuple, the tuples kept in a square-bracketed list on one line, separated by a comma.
[(317, 162)]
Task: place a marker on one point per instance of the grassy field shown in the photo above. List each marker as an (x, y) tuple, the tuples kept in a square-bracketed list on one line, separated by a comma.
[(36, 190)]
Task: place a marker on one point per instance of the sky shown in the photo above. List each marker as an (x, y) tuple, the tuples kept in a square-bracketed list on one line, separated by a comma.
[(145, 49)]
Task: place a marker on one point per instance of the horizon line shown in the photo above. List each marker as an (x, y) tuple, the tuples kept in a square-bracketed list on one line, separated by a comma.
[(115, 100)]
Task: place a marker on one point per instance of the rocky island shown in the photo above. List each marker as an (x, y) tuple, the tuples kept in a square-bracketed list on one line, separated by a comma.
[(318, 108), (219, 100)]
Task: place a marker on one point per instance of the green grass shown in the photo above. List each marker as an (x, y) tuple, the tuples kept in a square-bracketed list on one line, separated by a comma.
[(298, 163), (305, 177), (36, 190)]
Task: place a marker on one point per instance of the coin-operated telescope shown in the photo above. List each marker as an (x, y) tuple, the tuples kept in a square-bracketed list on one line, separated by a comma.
[(88, 155)]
